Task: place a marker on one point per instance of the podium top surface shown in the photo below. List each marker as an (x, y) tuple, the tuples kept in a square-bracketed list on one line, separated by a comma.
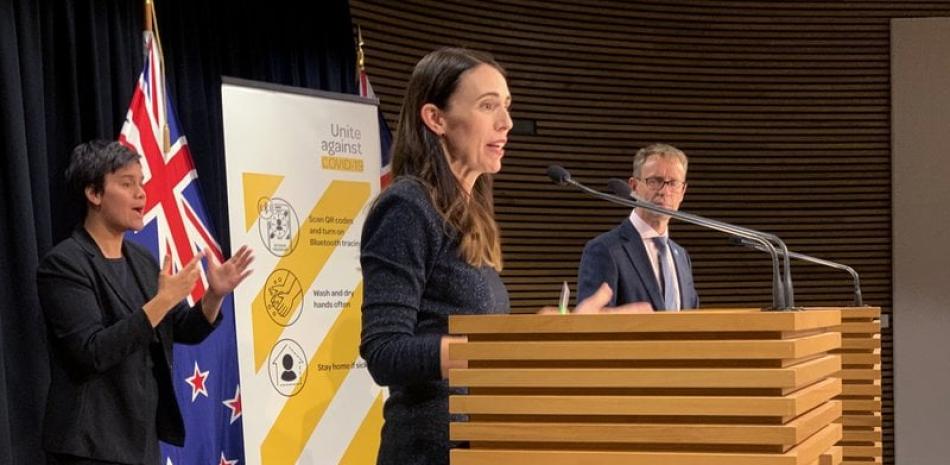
[(693, 321)]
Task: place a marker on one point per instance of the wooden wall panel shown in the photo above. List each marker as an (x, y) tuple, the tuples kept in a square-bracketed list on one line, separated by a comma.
[(783, 108)]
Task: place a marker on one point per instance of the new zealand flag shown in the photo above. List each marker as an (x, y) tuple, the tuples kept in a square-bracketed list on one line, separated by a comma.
[(205, 375)]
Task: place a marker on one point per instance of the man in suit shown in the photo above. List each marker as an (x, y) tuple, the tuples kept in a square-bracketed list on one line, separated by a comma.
[(637, 259), (111, 317)]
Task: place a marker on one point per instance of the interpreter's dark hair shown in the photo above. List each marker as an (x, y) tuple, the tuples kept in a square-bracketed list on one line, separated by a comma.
[(418, 152), (91, 161)]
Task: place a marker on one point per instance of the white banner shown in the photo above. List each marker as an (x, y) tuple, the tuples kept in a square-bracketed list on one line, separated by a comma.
[(303, 168)]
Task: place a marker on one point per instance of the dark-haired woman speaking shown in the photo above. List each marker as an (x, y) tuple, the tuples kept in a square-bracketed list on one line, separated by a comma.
[(431, 247)]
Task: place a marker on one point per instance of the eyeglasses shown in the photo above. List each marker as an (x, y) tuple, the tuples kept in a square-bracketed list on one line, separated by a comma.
[(657, 183)]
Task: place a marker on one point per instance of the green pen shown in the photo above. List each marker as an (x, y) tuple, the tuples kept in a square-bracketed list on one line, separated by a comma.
[(565, 298)]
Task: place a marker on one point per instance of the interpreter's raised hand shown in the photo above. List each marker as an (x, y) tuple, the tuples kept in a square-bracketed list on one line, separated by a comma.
[(174, 287), (597, 302), (223, 278)]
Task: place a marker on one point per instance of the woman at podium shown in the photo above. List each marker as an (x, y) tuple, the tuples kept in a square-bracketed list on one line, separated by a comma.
[(431, 247)]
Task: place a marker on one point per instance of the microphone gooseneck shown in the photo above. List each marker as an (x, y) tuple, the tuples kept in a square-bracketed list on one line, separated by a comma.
[(858, 299), (782, 288), (782, 295)]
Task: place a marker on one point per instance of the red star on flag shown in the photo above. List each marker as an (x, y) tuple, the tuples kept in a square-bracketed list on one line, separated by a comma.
[(225, 461), (197, 382), (234, 404)]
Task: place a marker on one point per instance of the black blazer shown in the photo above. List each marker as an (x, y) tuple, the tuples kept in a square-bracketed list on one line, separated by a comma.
[(99, 346), (619, 258)]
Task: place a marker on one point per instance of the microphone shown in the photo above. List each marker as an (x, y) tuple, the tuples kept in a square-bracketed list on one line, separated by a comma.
[(619, 188), (558, 174), (782, 297), (858, 300)]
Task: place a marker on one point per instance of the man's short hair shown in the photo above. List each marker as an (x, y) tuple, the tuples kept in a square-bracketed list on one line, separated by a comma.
[(91, 161), (660, 150)]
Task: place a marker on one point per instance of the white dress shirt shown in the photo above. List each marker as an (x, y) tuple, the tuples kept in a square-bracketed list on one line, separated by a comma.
[(647, 233)]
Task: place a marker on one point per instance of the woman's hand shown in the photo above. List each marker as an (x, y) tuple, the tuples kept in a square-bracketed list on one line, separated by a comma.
[(172, 289), (223, 278), (445, 363), (597, 302)]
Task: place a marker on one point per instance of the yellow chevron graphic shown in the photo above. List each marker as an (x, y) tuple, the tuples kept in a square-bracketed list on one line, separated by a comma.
[(257, 186), (276, 304), (365, 443), (301, 413)]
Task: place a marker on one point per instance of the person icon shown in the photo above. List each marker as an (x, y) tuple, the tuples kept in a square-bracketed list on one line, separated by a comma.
[(288, 375)]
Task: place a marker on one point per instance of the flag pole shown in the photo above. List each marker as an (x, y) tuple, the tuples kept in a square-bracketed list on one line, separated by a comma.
[(151, 24), (360, 57), (148, 15)]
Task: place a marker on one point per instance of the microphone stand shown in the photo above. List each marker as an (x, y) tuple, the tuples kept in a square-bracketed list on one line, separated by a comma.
[(621, 189), (781, 296), (858, 300)]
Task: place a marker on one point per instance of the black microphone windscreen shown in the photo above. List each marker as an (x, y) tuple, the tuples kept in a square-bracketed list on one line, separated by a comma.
[(558, 174), (619, 188)]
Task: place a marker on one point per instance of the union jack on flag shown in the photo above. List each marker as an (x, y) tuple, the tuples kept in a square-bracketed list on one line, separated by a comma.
[(206, 375)]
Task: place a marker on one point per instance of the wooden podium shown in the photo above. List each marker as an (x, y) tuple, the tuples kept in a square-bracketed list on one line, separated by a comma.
[(704, 387), (861, 441)]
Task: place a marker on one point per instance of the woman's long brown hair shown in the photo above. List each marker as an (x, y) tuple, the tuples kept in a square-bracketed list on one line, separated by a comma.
[(418, 152)]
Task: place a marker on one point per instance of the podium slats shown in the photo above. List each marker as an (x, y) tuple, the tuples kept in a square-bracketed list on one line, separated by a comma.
[(850, 358), (862, 451), (791, 377), (861, 389), (792, 405), (868, 374), (869, 435), (648, 350), (861, 392), (861, 342), (788, 434), (860, 313), (873, 327), (861, 420), (851, 405), (807, 452), (700, 387), (711, 321)]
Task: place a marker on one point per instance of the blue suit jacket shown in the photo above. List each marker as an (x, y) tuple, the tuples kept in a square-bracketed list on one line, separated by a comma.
[(618, 258)]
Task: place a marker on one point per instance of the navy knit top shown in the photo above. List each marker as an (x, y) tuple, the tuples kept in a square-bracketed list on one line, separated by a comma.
[(413, 279)]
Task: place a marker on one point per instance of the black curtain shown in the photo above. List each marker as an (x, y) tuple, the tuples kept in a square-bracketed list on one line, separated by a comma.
[(67, 71)]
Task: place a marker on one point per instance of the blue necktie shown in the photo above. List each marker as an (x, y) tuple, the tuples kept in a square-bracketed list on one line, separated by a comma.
[(666, 274)]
